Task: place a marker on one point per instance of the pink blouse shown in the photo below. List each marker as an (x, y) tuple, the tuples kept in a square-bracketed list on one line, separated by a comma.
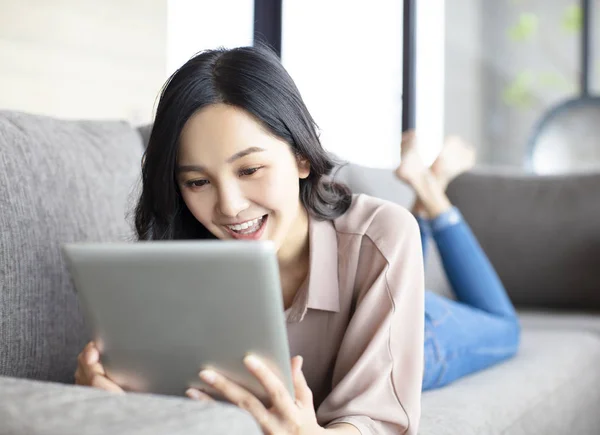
[(358, 318)]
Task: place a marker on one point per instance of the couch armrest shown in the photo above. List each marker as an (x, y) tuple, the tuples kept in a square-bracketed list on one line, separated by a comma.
[(41, 408)]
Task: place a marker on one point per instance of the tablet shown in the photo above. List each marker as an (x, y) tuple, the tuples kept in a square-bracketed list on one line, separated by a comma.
[(161, 311)]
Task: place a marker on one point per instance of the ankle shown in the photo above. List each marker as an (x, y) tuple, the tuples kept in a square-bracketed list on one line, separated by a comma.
[(439, 208), (419, 210), (432, 196)]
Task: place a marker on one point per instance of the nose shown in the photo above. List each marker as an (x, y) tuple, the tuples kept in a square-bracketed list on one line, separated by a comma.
[(232, 200)]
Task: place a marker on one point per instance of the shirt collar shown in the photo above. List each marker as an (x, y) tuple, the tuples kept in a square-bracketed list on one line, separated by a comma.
[(320, 291)]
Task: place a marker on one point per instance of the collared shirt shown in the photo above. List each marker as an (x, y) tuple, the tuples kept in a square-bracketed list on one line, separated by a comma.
[(358, 318)]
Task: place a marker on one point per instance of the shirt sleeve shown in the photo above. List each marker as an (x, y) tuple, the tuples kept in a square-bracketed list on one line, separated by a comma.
[(378, 372)]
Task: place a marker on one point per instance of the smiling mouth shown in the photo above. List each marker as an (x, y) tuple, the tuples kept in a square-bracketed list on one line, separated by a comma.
[(251, 229)]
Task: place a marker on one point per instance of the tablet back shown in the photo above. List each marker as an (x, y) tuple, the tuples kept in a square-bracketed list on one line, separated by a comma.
[(162, 311)]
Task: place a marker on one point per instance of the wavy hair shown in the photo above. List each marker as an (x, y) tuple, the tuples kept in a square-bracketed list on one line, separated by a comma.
[(250, 78)]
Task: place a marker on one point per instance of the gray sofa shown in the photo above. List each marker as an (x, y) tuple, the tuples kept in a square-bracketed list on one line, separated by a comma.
[(63, 181)]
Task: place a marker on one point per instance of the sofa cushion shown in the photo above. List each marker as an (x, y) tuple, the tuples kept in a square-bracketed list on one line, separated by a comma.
[(552, 386), (44, 408), (555, 319), (381, 183), (60, 181)]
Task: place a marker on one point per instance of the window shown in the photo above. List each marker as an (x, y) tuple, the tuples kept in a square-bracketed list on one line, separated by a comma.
[(430, 67), (346, 59), (195, 25), (507, 64)]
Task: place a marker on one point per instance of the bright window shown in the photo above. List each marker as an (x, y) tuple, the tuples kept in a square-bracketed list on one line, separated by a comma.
[(346, 59), (430, 77), (195, 25)]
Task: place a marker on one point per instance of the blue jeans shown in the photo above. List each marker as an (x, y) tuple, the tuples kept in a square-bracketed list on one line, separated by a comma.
[(478, 330)]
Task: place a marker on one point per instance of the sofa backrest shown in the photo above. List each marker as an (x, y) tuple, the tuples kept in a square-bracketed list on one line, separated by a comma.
[(60, 181), (541, 233)]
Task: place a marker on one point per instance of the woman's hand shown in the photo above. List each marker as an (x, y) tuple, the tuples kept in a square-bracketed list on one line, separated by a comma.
[(90, 371), (287, 415)]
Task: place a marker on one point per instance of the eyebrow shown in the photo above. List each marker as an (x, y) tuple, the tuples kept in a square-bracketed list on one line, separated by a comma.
[(233, 158)]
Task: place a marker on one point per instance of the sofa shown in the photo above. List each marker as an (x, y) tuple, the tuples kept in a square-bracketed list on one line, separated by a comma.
[(75, 180)]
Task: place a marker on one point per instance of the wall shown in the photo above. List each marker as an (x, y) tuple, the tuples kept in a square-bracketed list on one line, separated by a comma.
[(83, 58)]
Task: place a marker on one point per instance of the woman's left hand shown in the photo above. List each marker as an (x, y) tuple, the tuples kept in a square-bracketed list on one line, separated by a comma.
[(287, 415)]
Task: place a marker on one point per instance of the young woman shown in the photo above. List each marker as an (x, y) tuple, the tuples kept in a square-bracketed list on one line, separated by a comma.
[(234, 154)]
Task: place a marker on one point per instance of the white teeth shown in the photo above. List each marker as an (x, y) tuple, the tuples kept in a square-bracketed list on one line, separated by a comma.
[(247, 227)]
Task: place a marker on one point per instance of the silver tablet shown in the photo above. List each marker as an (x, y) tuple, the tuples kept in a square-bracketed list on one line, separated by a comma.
[(162, 311)]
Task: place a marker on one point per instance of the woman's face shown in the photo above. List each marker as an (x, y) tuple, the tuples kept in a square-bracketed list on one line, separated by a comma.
[(238, 180)]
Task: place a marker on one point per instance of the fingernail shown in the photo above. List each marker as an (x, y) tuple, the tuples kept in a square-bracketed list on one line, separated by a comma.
[(300, 363), (252, 362), (193, 394), (208, 376)]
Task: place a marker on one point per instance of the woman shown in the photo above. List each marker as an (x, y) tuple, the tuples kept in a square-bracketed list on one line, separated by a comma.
[(481, 328), (234, 154)]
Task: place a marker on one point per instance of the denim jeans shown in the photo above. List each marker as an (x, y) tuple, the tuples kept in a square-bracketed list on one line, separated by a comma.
[(478, 330)]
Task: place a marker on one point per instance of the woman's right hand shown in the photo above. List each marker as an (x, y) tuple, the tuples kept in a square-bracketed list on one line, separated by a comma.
[(90, 371)]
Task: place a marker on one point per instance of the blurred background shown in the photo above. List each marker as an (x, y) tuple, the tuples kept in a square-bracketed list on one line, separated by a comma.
[(486, 70)]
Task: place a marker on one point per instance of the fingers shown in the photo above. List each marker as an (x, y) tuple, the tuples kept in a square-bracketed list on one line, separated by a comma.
[(297, 363), (304, 397), (195, 394), (89, 355), (79, 380), (90, 371), (240, 397), (103, 383), (92, 358), (92, 355), (279, 395), (89, 363)]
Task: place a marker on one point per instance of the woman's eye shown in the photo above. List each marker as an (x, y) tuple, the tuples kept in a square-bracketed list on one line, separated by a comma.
[(249, 171), (196, 183)]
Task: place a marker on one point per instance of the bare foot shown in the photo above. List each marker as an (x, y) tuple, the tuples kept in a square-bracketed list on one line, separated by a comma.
[(411, 167), (431, 200), (455, 158)]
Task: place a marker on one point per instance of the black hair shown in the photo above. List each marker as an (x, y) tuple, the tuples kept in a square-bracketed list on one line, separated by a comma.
[(250, 78)]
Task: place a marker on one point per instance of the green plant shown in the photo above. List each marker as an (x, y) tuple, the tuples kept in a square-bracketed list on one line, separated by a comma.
[(522, 89)]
